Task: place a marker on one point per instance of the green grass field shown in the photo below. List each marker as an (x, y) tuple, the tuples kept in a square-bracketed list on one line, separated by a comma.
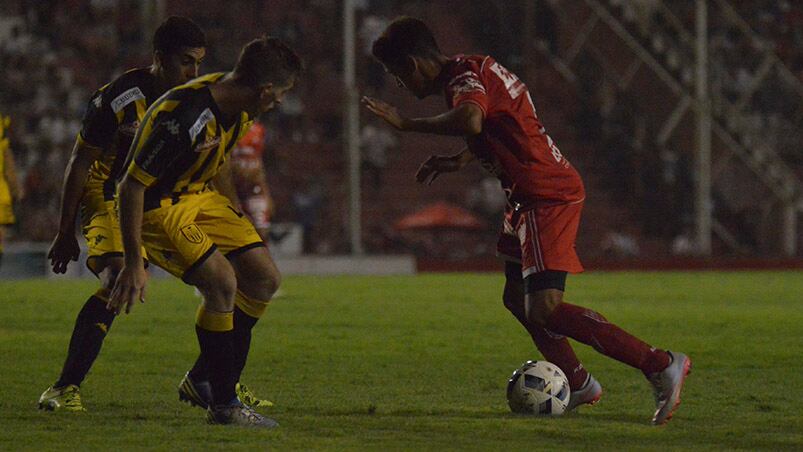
[(420, 362)]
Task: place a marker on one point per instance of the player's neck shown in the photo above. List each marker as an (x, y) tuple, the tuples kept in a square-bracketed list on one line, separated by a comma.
[(231, 98), (439, 65), (162, 85)]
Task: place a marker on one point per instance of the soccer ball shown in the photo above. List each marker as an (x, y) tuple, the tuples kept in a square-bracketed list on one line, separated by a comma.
[(538, 387)]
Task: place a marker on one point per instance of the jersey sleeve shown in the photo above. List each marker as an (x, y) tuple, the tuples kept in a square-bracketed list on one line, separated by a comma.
[(467, 87), (157, 147), (99, 123)]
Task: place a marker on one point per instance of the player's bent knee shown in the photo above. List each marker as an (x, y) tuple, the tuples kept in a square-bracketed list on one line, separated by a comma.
[(262, 285), (111, 269), (216, 280), (539, 305), (513, 298)]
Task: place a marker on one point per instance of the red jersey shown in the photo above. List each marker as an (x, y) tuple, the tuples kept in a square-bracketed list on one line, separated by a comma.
[(248, 152), (513, 145), (246, 160)]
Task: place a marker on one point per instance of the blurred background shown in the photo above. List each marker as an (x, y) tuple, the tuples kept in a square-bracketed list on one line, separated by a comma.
[(684, 118)]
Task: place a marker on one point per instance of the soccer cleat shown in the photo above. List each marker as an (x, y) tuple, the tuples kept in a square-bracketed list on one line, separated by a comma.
[(248, 397), (589, 393), (238, 414), (67, 398), (195, 393), (667, 385)]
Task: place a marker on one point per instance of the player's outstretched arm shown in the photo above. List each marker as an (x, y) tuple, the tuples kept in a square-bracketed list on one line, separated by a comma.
[(65, 246), (439, 164), (463, 120), (130, 284)]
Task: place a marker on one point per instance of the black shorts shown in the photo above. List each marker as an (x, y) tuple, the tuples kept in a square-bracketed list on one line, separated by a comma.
[(547, 279)]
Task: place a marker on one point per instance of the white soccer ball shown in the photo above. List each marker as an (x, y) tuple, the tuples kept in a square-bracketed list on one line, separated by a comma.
[(538, 387)]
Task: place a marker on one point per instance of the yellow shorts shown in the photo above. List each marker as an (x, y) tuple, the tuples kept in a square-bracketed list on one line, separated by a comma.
[(100, 227), (181, 236), (6, 214)]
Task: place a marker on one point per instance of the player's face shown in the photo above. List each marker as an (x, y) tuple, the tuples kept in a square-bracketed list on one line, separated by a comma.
[(272, 95), (411, 79), (182, 66)]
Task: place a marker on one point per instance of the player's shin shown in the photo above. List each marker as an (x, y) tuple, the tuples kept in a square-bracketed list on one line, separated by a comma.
[(91, 326), (555, 348), (591, 328), (215, 332), (247, 312)]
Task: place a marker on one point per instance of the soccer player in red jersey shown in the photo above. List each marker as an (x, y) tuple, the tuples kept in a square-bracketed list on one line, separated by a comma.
[(493, 110), (248, 176)]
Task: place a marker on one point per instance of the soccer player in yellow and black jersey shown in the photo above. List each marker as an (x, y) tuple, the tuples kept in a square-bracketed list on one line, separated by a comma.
[(10, 189), (168, 204), (113, 114)]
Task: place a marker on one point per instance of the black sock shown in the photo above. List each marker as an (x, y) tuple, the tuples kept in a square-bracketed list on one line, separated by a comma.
[(199, 371), (91, 326), (243, 324), (216, 347)]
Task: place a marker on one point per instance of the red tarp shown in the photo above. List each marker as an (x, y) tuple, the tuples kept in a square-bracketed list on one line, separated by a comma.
[(440, 215)]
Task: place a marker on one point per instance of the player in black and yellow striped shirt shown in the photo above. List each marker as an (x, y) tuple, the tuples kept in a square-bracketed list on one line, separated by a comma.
[(113, 114), (169, 204), (10, 189)]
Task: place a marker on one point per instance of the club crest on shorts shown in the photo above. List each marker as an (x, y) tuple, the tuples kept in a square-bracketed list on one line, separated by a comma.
[(193, 233)]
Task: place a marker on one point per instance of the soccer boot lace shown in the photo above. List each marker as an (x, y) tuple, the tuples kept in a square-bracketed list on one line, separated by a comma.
[(249, 398), (238, 414), (67, 398), (667, 385), (196, 393), (589, 393)]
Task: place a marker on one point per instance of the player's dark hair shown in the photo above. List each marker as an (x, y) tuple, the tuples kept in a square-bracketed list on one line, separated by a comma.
[(267, 60), (404, 37), (176, 33)]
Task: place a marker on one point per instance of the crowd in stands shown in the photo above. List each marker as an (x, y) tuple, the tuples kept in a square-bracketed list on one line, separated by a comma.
[(55, 53)]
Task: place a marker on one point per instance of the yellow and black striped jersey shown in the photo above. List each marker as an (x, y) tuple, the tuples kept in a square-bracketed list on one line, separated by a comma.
[(5, 122), (182, 142), (112, 116)]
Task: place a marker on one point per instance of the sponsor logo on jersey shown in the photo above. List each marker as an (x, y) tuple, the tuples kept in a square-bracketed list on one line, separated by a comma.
[(126, 98), (207, 144), (129, 128), (200, 123), (465, 83), (172, 126)]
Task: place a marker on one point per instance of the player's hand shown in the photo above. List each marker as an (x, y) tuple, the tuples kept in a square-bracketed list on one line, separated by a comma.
[(385, 111), (63, 250), (128, 289), (434, 167)]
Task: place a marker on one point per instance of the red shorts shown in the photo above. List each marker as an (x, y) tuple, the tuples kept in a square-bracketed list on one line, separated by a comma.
[(541, 238), (255, 207)]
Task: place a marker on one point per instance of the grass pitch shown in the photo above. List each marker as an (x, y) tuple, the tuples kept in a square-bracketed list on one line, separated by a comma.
[(416, 362)]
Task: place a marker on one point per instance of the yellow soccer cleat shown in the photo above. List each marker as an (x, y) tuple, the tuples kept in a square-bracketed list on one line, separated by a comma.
[(247, 397), (67, 398)]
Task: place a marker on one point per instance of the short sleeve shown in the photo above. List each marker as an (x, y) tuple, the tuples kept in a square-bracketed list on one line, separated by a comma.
[(166, 142), (99, 123), (467, 87)]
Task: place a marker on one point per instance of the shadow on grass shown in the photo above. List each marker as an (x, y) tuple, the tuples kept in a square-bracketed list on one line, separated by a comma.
[(487, 414)]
